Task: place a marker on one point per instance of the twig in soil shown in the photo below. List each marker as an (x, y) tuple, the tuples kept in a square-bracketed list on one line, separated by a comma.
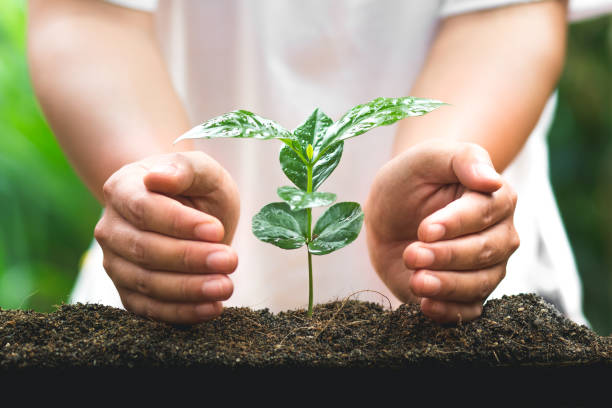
[(344, 303), (293, 331)]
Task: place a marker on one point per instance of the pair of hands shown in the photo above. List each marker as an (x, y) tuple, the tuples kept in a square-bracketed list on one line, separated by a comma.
[(439, 231)]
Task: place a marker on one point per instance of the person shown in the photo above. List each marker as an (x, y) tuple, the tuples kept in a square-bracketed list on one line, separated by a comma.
[(119, 80)]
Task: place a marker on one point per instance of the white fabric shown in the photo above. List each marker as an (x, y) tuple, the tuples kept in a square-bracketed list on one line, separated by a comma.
[(144, 5), (578, 9), (281, 59)]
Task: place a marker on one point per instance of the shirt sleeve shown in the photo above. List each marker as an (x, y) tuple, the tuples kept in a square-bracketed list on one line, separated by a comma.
[(144, 5), (453, 7), (585, 9)]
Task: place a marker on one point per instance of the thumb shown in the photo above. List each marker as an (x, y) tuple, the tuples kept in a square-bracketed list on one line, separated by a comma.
[(474, 169), (188, 173), (443, 162)]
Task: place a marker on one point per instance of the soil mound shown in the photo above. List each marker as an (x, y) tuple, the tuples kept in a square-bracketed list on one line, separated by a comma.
[(513, 331)]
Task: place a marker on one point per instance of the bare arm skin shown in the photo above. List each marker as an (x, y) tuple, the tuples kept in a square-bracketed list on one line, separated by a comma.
[(439, 217), (100, 79), (99, 76)]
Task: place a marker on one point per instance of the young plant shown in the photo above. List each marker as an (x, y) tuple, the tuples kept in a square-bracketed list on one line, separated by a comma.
[(309, 155)]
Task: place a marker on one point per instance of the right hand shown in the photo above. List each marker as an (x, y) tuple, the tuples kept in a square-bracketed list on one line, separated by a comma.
[(165, 236)]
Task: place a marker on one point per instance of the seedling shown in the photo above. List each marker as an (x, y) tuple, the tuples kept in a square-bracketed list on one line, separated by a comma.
[(309, 155)]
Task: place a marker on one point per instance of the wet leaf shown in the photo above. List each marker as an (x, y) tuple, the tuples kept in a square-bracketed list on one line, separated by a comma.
[(278, 225), (337, 227), (238, 124), (379, 112), (299, 200), (295, 169)]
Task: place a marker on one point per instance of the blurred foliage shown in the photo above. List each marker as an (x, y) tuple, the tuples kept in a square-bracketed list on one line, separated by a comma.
[(47, 216), (580, 143)]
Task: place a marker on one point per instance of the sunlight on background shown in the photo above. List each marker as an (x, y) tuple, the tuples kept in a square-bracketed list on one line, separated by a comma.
[(47, 216)]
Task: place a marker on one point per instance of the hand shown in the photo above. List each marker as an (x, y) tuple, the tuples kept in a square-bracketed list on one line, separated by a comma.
[(165, 233), (439, 228)]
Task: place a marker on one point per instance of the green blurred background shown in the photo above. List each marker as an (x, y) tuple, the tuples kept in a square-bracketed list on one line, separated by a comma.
[(47, 215)]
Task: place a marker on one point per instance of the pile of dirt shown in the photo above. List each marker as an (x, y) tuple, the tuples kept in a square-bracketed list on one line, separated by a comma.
[(513, 331)]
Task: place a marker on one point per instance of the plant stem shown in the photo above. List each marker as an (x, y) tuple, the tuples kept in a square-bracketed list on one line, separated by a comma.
[(309, 233), (309, 283)]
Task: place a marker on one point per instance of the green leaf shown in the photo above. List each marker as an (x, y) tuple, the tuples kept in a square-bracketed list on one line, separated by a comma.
[(238, 124), (379, 112), (337, 227), (312, 131), (299, 200), (295, 169), (276, 224)]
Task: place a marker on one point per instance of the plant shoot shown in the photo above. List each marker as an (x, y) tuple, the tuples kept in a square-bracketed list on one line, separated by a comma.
[(309, 155)]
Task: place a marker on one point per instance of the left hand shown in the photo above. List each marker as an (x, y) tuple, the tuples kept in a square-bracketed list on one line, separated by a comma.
[(439, 228)]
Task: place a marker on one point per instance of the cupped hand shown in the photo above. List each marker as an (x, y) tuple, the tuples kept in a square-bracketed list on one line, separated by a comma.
[(165, 235), (439, 222)]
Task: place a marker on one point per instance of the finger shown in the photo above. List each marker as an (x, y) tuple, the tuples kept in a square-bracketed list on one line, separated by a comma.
[(472, 212), (170, 312), (167, 286), (154, 212), (455, 286), (474, 169), (159, 252), (454, 162), (450, 312), (189, 173), (474, 251)]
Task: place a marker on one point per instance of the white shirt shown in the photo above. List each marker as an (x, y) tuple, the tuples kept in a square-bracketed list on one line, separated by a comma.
[(283, 58)]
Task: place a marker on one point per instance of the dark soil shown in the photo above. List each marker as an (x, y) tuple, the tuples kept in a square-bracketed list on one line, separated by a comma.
[(513, 331)]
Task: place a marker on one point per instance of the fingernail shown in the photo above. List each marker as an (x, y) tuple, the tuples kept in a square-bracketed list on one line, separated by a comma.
[(166, 169), (220, 261), (486, 171), (435, 232), (208, 231), (212, 287), (206, 310), (424, 257), (431, 285)]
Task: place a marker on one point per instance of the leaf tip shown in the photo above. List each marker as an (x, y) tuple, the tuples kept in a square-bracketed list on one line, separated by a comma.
[(192, 133)]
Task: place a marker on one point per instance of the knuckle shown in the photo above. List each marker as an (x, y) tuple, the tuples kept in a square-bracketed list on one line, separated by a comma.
[(107, 264), (488, 214), (184, 288), (175, 223), (515, 241), (484, 289), (136, 249), (502, 273), (452, 287), (100, 232), (142, 282), (137, 207), (189, 258), (448, 255), (486, 255), (513, 198), (108, 188)]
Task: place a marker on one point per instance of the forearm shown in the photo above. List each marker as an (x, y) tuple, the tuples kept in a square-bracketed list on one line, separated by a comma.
[(102, 84), (497, 69)]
